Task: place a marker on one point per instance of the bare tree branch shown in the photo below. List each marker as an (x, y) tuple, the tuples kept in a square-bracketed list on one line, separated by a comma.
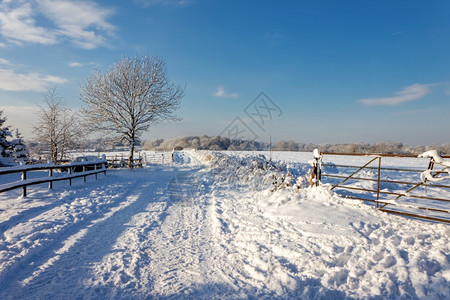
[(133, 95), (57, 126)]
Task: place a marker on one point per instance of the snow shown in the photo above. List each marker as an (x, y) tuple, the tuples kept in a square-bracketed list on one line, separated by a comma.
[(215, 225), (436, 157)]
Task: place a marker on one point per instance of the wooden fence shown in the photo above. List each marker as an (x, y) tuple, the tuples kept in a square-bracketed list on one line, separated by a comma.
[(69, 171), (119, 161), (386, 186), (159, 158)]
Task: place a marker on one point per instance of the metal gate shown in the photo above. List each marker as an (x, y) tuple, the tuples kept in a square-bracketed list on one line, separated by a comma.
[(402, 190)]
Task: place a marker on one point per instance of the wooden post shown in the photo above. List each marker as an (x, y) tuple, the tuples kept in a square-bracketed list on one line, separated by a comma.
[(24, 177), (84, 170), (70, 174), (50, 174)]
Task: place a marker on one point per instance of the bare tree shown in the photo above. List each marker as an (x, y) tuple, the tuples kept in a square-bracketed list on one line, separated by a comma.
[(134, 94), (57, 127)]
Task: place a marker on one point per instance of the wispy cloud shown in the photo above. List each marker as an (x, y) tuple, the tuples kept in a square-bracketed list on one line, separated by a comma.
[(179, 3), (75, 64), (10, 80), (5, 62), (221, 93), (409, 93), (83, 23)]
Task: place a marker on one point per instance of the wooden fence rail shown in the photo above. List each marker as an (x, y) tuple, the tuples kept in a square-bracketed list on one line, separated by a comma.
[(74, 170)]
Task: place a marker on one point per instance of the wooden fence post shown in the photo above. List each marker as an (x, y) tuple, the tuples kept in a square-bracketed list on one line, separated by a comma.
[(50, 183), (24, 177)]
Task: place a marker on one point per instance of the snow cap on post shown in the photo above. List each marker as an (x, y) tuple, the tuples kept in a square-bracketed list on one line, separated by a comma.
[(316, 154)]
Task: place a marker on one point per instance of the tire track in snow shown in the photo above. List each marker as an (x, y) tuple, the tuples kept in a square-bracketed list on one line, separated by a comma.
[(183, 253), (179, 249)]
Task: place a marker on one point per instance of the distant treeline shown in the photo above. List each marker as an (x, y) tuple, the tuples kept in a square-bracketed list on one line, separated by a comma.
[(222, 143)]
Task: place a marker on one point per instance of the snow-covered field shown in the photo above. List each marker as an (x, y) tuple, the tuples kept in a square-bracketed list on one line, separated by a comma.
[(214, 226)]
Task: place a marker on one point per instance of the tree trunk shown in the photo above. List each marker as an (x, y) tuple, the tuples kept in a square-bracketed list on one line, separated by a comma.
[(131, 157)]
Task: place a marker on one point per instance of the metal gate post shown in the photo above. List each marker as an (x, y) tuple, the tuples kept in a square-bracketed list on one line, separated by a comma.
[(378, 181)]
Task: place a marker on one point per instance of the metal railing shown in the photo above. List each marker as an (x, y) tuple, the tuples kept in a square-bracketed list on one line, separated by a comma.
[(387, 187), (67, 172)]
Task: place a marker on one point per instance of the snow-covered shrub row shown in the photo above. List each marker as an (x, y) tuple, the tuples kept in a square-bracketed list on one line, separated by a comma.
[(258, 172)]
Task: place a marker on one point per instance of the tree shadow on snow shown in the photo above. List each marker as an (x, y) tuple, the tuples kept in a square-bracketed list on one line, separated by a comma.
[(57, 274)]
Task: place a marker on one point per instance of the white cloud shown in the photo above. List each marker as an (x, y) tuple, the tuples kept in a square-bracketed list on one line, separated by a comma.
[(83, 23), (75, 64), (221, 93), (409, 93), (10, 80), (18, 24)]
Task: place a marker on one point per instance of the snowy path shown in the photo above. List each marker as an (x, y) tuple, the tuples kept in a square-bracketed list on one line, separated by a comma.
[(212, 231), (65, 241)]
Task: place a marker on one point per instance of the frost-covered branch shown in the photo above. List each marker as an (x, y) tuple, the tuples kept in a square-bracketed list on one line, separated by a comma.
[(133, 95)]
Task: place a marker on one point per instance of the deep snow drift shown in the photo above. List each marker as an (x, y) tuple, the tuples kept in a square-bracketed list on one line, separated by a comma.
[(214, 225)]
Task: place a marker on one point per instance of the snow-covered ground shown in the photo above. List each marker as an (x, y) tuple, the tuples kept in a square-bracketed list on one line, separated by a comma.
[(214, 226)]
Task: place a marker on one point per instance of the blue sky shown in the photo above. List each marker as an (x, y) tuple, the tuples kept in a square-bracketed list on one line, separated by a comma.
[(331, 71)]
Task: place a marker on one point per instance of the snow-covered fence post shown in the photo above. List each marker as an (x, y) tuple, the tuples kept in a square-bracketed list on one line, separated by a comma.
[(435, 158), (70, 175), (103, 164), (50, 174), (24, 177), (316, 172)]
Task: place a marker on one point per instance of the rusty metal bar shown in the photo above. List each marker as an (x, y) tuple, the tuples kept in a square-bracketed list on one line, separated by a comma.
[(355, 172), (378, 154), (415, 215), (387, 181), (378, 181), (385, 203), (393, 193), (375, 168)]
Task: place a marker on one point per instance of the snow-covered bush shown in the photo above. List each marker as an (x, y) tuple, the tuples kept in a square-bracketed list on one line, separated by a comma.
[(257, 172), (19, 149)]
